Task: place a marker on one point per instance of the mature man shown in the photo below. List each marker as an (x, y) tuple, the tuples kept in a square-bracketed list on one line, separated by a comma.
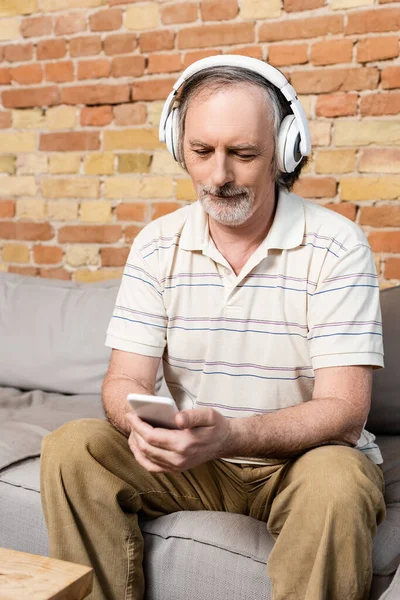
[(265, 310)]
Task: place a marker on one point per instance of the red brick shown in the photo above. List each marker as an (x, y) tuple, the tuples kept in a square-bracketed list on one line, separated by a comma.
[(164, 208), (191, 57), (294, 29), (1, 53), (130, 114), (219, 10), (106, 20), (131, 66), (374, 20), (114, 257), (155, 89), (92, 69), (69, 141), (380, 104), (331, 52), (179, 13), (5, 75), (18, 52), (85, 46), (154, 41), (96, 94), (131, 211), (131, 232), (385, 241), (215, 35), (58, 273), (288, 54), (93, 234), (27, 97), (36, 26), (380, 216), (59, 71), (5, 119), (344, 208), (96, 115), (121, 43), (47, 255), (391, 78), (392, 268), (320, 81), (164, 63), (315, 187), (7, 209), (10, 230), (336, 105), (252, 51), (377, 48), (297, 5), (72, 22), (51, 49), (27, 74), (28, 271)]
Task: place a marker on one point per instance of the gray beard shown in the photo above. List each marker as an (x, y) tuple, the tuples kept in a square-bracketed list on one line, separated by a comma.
[(233, 207)]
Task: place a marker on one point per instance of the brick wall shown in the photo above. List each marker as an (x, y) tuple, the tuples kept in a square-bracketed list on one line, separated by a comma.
[(82, 83)]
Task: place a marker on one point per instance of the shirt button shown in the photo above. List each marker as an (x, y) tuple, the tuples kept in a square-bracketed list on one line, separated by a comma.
[(228, 272)]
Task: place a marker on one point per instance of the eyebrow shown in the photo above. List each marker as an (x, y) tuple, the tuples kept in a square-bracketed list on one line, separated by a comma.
[(249, 146)]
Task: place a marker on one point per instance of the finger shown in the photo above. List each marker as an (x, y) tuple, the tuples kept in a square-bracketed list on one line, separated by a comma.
[(158, 437), (160, 456), (197, 417), (137, 423), (143, 460)]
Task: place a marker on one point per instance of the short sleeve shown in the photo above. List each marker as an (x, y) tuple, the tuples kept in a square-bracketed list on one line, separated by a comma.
[(344, 315), (139, 321)]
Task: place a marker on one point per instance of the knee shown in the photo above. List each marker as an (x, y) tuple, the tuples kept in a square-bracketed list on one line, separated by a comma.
[(340, 477), (71, 441)]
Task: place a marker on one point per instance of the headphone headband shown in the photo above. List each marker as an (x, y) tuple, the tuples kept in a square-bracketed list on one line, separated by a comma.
[(251, 64)]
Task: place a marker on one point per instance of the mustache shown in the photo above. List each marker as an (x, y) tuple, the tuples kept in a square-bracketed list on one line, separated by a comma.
[(225, 191)]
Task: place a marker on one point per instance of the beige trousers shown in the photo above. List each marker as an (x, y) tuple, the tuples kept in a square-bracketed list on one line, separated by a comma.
[(322, 508)]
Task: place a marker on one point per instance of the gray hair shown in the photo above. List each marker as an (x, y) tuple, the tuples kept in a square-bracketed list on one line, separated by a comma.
[(216, 78)]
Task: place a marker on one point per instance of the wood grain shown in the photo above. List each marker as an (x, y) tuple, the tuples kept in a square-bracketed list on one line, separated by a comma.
[(36, 577)]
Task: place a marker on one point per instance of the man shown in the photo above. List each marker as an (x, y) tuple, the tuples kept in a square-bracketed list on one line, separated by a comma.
[(265, 310)]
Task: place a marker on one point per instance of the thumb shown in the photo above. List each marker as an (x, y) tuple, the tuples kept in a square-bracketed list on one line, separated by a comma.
[(196, 417)]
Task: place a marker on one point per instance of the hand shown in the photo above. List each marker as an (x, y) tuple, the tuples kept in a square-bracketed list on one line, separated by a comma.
[(202, 435)]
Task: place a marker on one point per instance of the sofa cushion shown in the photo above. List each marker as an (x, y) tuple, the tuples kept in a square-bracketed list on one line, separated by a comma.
[(384, 417), (52, 333)]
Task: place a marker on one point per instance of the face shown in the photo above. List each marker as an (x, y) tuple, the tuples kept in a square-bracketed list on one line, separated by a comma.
[(229, 148)]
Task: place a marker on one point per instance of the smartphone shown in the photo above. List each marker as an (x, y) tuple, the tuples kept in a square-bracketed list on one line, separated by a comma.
[(158, 411)]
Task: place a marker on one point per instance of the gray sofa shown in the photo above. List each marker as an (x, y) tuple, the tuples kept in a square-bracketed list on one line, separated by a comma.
[(52, 362)]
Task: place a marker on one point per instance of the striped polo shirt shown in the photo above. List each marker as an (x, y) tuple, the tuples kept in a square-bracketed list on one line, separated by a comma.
[(248, 344)]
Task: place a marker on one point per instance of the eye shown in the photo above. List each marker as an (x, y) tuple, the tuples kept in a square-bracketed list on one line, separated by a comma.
[(202, 152), (245, 156)]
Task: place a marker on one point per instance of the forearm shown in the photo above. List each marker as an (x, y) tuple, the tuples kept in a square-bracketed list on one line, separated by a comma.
[(114, 393), (286, 432)]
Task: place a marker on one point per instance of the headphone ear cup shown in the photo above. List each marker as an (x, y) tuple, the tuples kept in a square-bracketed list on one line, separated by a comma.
[(289, 154), (172, 133)]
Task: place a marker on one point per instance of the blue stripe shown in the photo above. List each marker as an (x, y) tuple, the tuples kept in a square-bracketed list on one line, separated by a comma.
[(134, 321), (171, 287), (143, 281), (319, 248), (345, 333), (345, 287), (271, 287), (234, 330), (240, 374), (160, 248)]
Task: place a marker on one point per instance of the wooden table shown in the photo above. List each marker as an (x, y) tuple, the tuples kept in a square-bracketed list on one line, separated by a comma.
[(29, 576)]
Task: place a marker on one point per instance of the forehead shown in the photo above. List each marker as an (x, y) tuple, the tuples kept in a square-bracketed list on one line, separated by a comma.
[(239, 112)]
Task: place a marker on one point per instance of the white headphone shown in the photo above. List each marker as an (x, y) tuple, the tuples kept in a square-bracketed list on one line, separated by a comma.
[(294, 140)]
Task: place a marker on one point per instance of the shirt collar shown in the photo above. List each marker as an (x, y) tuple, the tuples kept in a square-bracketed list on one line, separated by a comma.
[(286, 232)]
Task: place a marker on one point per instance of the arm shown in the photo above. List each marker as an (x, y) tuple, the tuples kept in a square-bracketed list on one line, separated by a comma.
[(336, 413), (127, 373)]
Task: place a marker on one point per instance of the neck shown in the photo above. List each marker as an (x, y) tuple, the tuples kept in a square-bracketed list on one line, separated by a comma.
[(236, 244)]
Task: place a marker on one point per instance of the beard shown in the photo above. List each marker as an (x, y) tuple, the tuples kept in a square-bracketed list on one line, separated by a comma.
[(229, 204)]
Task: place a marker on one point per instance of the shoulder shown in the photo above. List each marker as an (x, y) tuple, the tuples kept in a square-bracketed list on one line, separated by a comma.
[(332, 229), (162, 232)]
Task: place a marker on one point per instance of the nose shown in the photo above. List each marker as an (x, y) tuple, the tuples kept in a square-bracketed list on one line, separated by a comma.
[(221, 172)]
